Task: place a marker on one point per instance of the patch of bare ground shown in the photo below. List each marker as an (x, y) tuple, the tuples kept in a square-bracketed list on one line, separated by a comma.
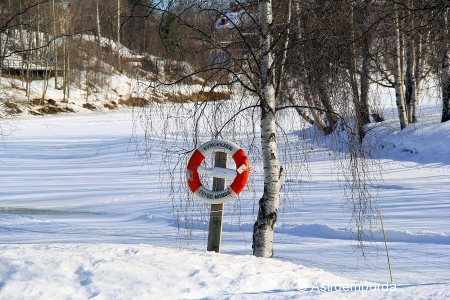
[(134, 101), (211, 96), (111, 105), (198, 97), (89, 106), (46, 107), (37, 101), (11, 108), (177, 98), (51, 110)]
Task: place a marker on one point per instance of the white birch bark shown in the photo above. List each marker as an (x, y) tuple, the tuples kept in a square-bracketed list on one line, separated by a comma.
[(97, 23), (410, 77), (54, 45), (44, 89), (37, 33), (418, 69), (21, 39), (268, 205), (29, 37), (68, 70), (398, 74), (64, 70)]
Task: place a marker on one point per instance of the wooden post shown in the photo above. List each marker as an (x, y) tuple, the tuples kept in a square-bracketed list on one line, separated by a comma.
[(216, 214)]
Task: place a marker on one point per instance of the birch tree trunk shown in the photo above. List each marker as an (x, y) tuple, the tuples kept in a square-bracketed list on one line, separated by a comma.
[(97, 23), (365, 67), (64, 69), (1, 58), (445, 70), (118, 33), (398, 73), (22, 42), (268, 205), (300, 111), (418, 69), (44, 89), (29, 37), (67, 62), (410, 77), (54, 45), (37, 33), (361, 116), (410, 81), (324, 99)]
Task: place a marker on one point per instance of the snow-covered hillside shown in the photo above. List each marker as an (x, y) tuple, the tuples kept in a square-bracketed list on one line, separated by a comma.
[(95, 82), (81, 216)]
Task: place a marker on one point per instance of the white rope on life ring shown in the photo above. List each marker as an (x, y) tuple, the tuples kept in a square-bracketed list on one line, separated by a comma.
[(240, 175)]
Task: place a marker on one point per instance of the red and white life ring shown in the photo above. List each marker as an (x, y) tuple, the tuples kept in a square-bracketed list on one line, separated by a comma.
[(239, 182)]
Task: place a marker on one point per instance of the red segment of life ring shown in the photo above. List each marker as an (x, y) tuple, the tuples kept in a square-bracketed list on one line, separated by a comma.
[(239, 182), (241, 178), (192, 173)]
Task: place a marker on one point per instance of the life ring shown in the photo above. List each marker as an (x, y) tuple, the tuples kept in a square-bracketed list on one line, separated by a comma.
[(239, 182)]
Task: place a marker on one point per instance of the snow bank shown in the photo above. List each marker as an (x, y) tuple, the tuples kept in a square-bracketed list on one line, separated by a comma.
[(108, 271), (111, 271)]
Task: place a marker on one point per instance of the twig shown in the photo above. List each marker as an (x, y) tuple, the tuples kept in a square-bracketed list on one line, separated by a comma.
[(385, 243)]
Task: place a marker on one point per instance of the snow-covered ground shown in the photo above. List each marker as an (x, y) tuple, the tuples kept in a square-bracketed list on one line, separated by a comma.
[(82, 216)]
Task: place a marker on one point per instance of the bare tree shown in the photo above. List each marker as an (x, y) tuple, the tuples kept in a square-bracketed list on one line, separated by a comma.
[(97, 24), (255, 51), (273, 172), (365, 62), (445, 61), (397, 70)]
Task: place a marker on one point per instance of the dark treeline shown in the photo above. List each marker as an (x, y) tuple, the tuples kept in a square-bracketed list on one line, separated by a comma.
[(327, 55)]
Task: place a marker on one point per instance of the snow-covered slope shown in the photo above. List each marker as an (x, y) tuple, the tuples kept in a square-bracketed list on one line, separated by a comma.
[(95, 83)]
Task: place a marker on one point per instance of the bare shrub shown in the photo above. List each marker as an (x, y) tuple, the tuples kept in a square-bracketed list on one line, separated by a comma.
[(11, 108), (111, 105), (210, 96), (36, 101), (134, 101), (50, 110), (200, 96), (176, 98), (89, 106)]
